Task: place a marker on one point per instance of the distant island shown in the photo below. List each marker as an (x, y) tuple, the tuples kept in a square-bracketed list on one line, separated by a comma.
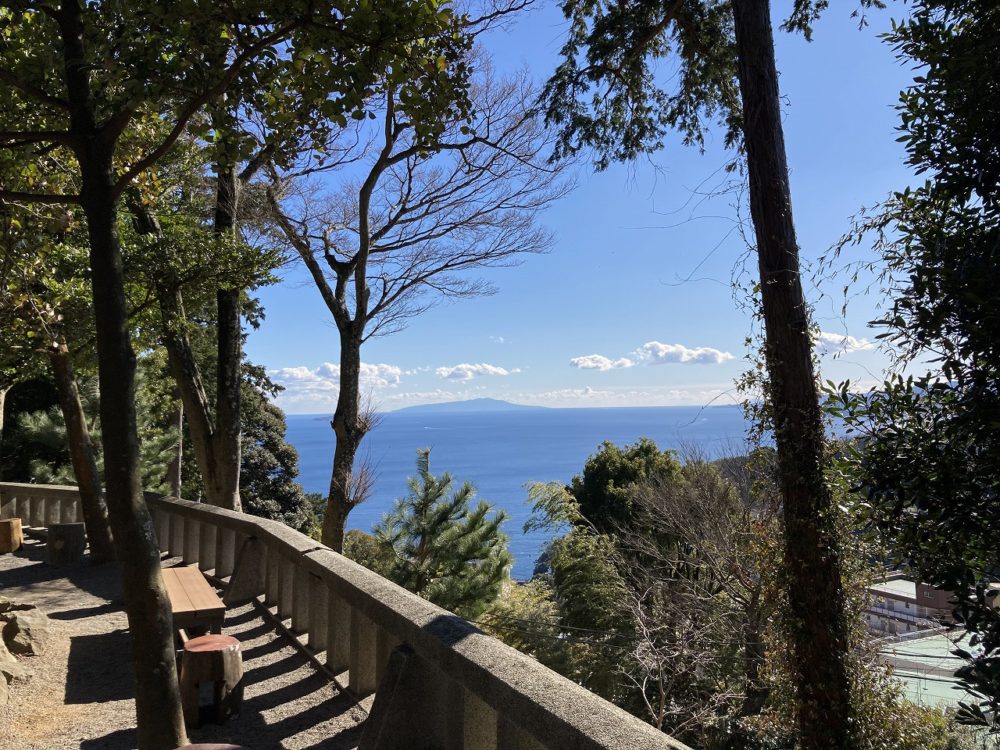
[(467, 407)]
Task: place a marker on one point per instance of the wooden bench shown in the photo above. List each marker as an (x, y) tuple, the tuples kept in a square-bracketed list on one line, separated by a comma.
[(193, 601)]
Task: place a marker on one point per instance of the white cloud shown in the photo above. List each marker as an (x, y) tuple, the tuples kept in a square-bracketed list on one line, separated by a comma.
[(374, 375), (600, 362), (655, 353), (498, 339), (467, 371), (839, 343), (316, 390)]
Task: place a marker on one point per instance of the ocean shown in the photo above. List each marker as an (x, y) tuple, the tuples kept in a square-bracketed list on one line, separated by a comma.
[(501, 451)]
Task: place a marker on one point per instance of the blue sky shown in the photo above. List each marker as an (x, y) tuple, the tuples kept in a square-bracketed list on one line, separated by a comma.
[(633, 305)]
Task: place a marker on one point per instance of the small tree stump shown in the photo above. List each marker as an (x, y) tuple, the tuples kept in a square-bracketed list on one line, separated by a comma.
[(11, 535), (66, 543), (216, 659)]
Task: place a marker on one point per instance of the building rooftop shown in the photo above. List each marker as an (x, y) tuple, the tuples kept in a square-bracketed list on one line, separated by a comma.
[(926, 668), (897, 587)]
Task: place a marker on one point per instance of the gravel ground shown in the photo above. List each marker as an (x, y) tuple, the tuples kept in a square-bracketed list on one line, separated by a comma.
[(81, 694)]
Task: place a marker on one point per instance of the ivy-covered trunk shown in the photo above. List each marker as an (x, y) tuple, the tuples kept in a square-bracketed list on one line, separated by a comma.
[(812, 558), (227, 432), (349, 430), (160, 721), (83, 456), (175, 469)]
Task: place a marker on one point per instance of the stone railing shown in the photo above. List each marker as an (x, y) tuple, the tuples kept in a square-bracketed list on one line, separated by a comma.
[(39, 504), (438, 681)]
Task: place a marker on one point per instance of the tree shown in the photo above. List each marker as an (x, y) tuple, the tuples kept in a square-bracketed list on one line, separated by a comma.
[(453, 185), (44, 300), (579, 568), (607, 485), (929, 456), (54, 112), (726, 72), (269, 463), (446, 550)]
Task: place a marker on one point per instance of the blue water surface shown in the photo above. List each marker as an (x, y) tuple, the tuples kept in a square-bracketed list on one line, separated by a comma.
[(499, 452)]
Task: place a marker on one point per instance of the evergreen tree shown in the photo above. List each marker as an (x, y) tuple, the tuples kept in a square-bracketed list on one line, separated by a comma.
[(605, 488), (44, 434), (446, 551), (269, 465), (929, 460)]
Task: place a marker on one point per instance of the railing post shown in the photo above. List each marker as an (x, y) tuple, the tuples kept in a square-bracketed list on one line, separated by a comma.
[(206, 546), (192, 533), (176, 547), (384, 644), (319, 611), (364, 655), (479, 723), (225, 554), (300, 600), (286, 587), (36, 511), (273, 576), (338, 633), (6, 504), (67, 510), (50, 510)]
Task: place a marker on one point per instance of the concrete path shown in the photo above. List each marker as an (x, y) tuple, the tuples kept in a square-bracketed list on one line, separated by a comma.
[(81, 694)]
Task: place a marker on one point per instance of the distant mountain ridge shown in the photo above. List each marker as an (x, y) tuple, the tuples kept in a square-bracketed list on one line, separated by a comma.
[(467, 407)]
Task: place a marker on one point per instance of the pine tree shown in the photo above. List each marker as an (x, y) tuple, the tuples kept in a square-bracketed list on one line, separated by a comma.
[(446, 551)]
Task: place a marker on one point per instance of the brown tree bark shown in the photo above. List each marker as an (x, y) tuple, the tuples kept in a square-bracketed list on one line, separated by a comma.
[(350, 429), (3, 403), (160, 720), (175, 469), (230, 353), (82, 454), (216, 441), (812, 558)]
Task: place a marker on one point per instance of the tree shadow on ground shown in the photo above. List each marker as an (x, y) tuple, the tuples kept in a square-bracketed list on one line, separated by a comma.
[(123, 739), (99, 668), (64, 582)]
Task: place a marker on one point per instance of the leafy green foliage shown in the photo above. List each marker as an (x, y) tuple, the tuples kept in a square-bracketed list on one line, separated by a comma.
[(526, 617), (604, 490), (269, 465), (42, 434), (930, 453), (631, 73), (366, 549), (445, 550), (605, 94)]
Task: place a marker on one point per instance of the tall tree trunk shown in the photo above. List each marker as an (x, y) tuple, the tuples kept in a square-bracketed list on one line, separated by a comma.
[(216, 442), (175, 469), (3, 402), (349, 430), (812, 558), (82, 454), (228, 444), (160, 720)]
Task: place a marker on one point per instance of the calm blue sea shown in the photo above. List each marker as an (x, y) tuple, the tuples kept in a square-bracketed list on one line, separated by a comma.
[(500, 451)]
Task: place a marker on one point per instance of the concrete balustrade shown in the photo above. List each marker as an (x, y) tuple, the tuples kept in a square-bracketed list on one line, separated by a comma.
[(434, 675), (40, 505)]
